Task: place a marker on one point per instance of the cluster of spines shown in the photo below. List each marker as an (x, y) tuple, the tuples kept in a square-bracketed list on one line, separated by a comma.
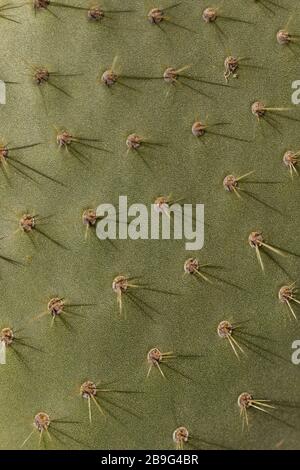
[(121, 284)]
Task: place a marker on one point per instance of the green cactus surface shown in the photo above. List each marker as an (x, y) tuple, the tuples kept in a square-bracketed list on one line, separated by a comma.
[(82, 371)]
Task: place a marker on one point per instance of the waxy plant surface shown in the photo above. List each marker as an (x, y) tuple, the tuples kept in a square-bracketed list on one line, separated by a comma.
[(76, 369)]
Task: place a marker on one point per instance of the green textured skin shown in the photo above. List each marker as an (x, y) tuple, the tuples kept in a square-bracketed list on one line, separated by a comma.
[(101, 345)]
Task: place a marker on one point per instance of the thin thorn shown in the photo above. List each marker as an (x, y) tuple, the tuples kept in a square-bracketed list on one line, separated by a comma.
[(259, 258), (27, 438)]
